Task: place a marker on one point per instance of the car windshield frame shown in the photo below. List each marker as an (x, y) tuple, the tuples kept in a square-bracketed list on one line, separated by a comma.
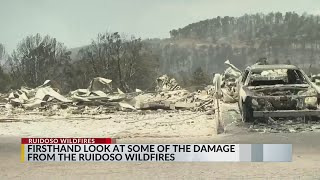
[(297, 72)]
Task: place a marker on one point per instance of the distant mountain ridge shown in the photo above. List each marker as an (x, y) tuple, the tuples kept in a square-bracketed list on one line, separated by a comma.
[(282, 38)]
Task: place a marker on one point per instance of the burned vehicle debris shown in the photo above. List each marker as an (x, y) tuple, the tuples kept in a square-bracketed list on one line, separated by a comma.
[(316, 79), (277, 91)]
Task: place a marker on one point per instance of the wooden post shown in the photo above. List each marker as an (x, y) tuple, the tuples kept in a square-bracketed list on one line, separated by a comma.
[(218, 95)]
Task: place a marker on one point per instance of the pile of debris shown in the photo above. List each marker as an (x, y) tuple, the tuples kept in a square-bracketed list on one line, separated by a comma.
[(230, 79), (99, 94), (171, 100), (286, 126), (164, 83), (170, 96), (34, 98)]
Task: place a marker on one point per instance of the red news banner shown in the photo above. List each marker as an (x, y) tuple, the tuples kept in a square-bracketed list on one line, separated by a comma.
[(67, 141)]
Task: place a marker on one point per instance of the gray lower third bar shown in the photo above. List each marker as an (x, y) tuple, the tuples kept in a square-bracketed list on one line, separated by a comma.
[(277, 152), (245, 152), (257, 153)]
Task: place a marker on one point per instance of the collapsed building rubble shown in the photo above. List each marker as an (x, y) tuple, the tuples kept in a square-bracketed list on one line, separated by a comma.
[(178, 99), (230, 78), (164, 83), (100, 84), (33, 98), (100, 95)]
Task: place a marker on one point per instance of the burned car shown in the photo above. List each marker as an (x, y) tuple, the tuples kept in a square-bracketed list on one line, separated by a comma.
[(277, 91)]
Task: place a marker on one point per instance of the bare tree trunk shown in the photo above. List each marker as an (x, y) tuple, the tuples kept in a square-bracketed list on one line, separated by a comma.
[(119, 72), (94, 67)]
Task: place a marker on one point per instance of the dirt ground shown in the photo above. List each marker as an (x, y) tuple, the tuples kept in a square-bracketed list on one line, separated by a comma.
[(160, 124), (152, 127)]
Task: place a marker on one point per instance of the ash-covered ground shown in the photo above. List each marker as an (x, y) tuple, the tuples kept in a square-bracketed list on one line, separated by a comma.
[(153, 127)]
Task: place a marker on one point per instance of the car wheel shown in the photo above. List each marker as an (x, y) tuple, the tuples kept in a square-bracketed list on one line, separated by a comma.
[(246, 113)]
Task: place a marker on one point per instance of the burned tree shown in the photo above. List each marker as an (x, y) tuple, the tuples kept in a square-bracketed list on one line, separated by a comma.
[(200, 77), (113, 56), (2, 51), (39, 58), (5, 80)]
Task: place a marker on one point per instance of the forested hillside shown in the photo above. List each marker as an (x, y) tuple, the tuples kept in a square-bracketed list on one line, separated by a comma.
[(282, 38)]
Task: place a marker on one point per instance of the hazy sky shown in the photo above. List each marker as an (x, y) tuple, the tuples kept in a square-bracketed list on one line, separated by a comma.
[(77, 22)]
